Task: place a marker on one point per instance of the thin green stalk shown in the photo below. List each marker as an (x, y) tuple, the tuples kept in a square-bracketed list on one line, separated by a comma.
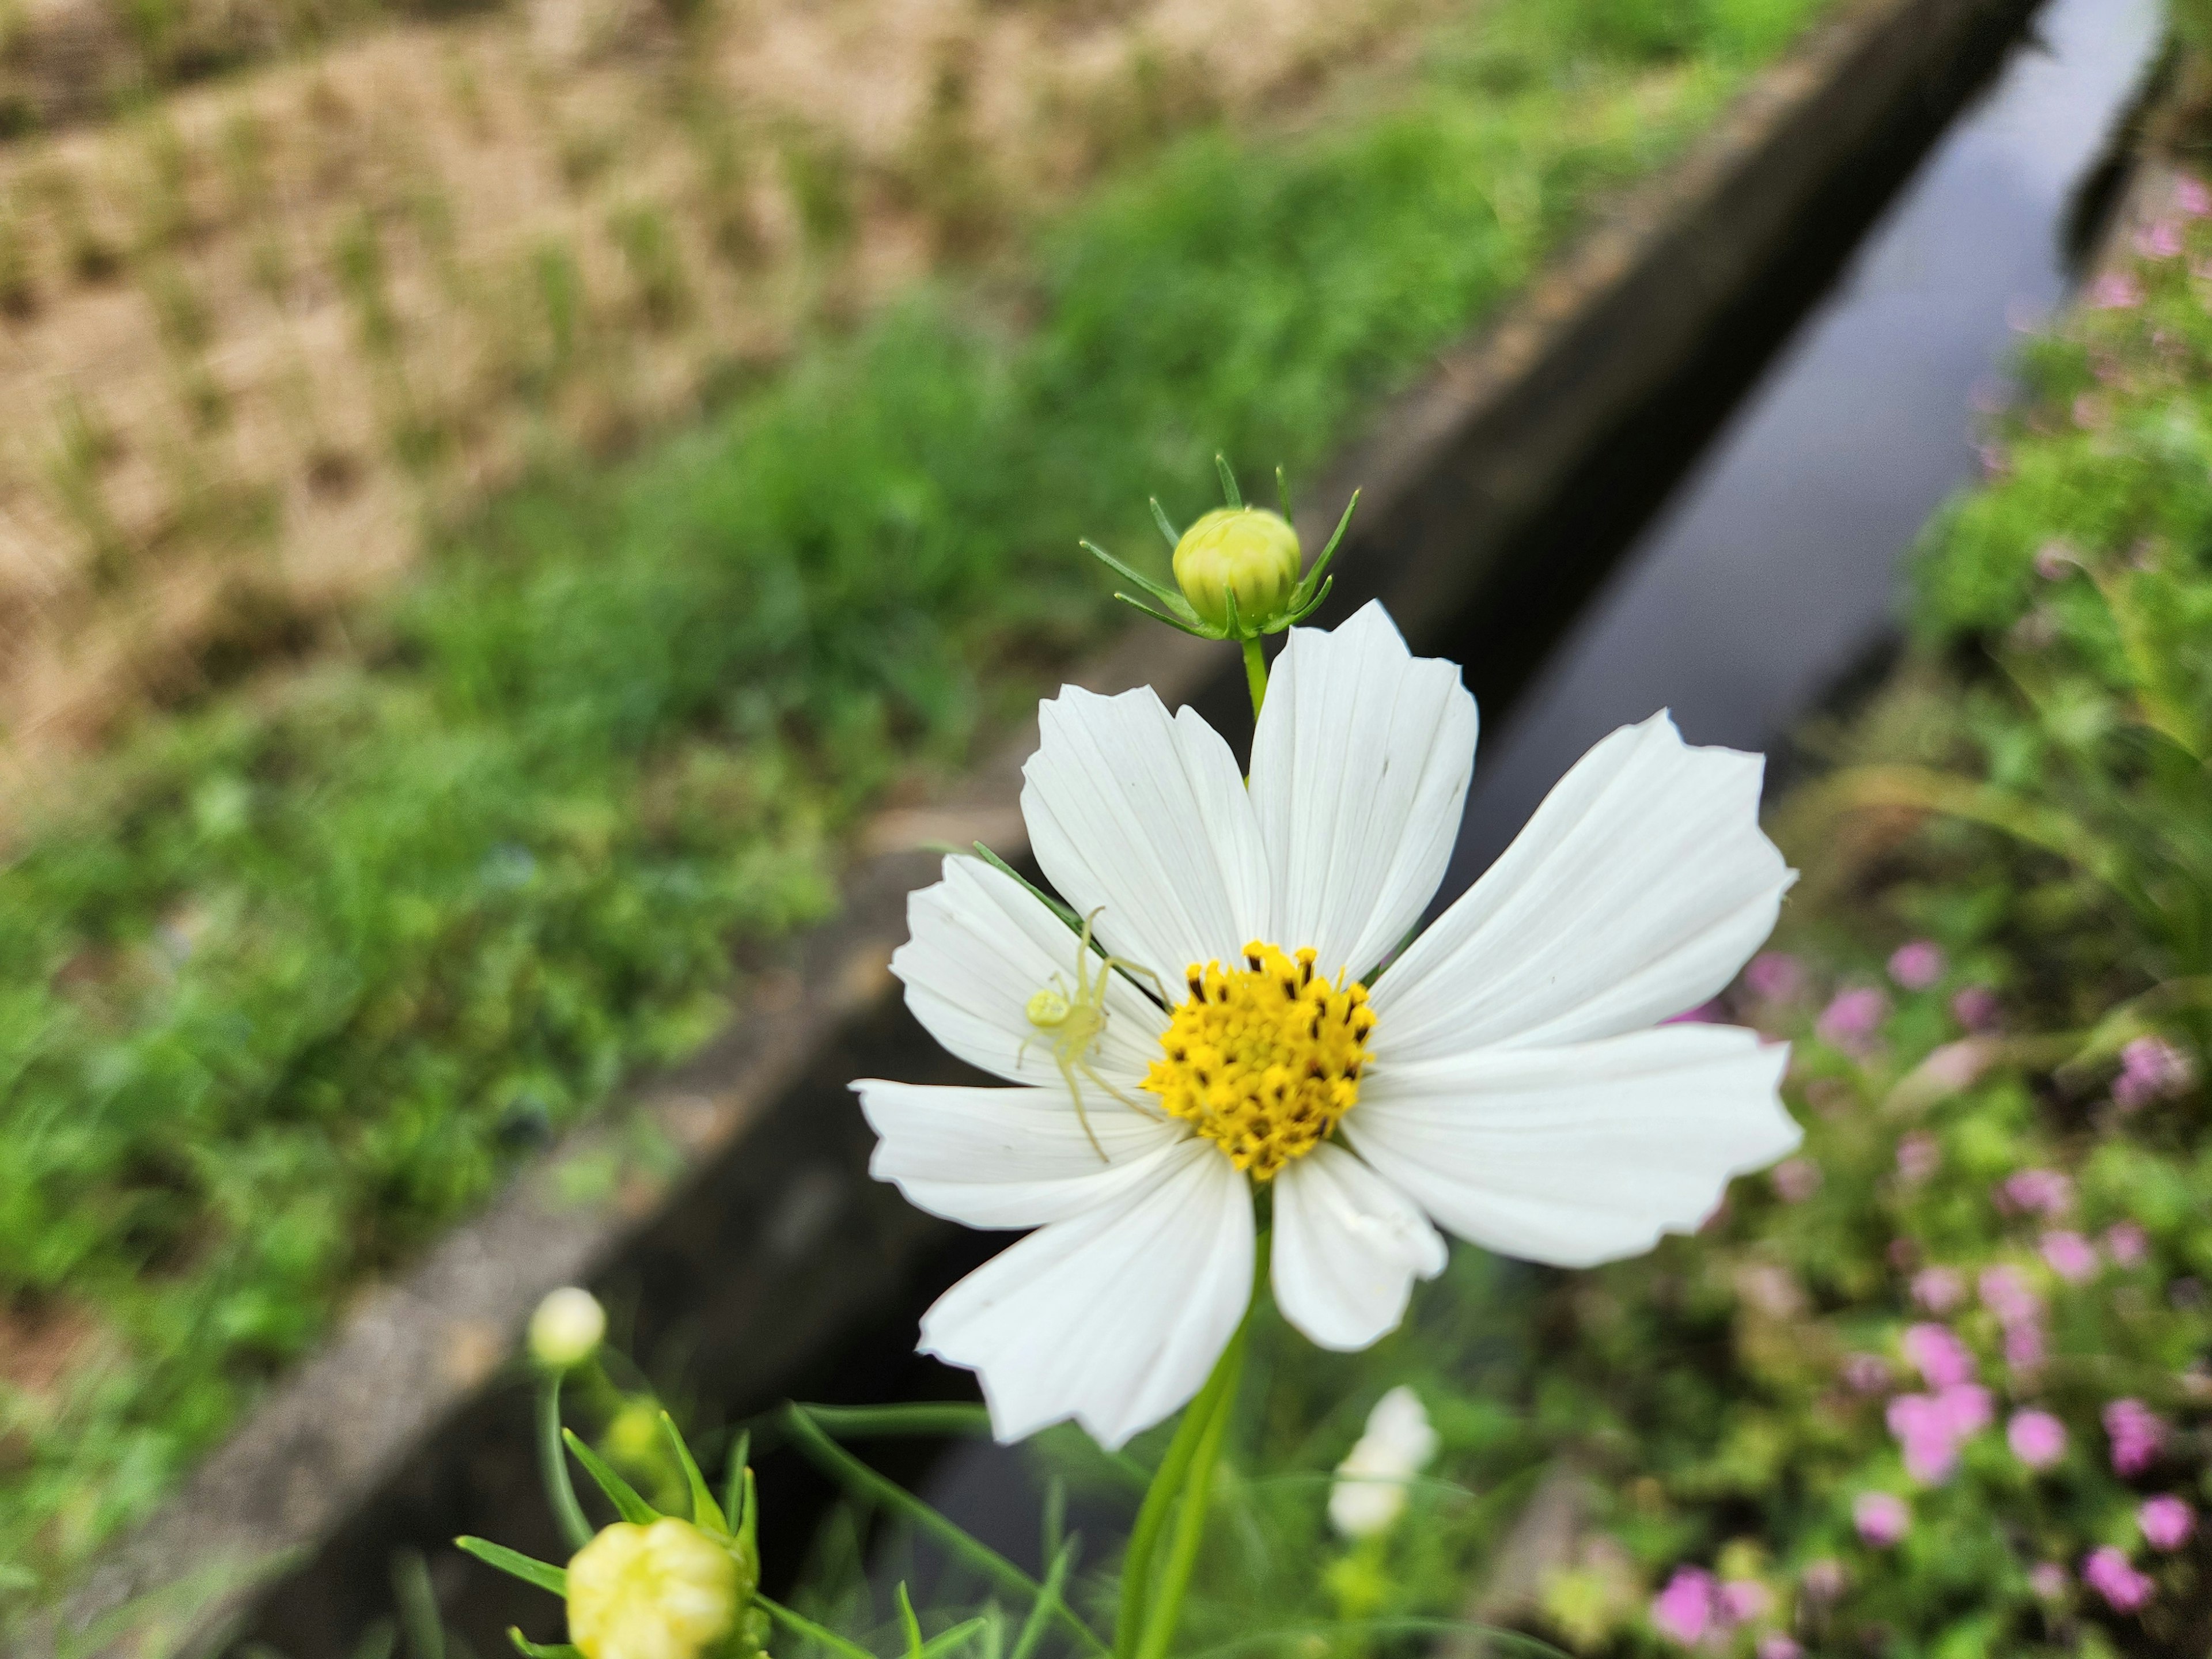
[(799, 1623), (1256, 676), (553, 1464), (1166, 1610)]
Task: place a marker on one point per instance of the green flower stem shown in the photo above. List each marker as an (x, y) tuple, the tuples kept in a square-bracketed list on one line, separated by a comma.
[(1166, 1611), (1145, 1622), (553, 1465), (1256, 676)]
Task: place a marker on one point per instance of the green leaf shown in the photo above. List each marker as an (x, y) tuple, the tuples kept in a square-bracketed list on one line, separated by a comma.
[(1168, 530), (931, 1417), (514, 1562), (1048, 1600), (619, 1491), (1230, 492), (908, 1623), (828, 1455), (946, 1641), (733, 1481), (814, 1633), (531, 1650), (706, 1513), (1167, 596)]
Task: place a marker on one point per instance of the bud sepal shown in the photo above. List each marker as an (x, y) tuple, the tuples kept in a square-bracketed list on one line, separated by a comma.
[(1231, 549)]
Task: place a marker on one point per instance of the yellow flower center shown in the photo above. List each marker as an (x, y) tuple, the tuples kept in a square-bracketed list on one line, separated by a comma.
[(1263, 1059)]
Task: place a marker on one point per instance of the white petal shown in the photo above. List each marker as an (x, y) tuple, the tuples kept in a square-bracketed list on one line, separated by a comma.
[(979, 946), (1359, 768), (1148, 817), (1347, 1247), (1639, 887), (1580, 1154), (1009, 1157), (1114, 1317)]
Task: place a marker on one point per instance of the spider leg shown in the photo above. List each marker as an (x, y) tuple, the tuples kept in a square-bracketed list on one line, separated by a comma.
[(1134, 1105), (1134, 971), (1082, 958), (1067, 1076)]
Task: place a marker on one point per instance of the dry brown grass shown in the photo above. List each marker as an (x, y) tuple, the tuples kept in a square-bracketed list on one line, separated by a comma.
[(255, 343)]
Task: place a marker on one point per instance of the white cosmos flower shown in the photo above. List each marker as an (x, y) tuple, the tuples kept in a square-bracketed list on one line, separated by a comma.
[(1505, 1080), (1369, 1494)]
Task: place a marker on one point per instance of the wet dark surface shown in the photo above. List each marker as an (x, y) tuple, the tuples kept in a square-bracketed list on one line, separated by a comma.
[(1774, 567)]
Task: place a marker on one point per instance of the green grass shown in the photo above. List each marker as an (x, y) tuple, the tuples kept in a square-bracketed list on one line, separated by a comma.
[(304, 972)]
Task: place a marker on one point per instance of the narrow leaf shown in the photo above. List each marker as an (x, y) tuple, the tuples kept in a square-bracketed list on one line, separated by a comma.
[(1230, 492), (516, 1563), (619, 1491), (706, 1513), (1167, 529), (931, 1417), (1166, 595), (733, 1482), (813, 1632), (1283, 494), (946, 1641), (908, 1623), (531, 1650), (1198, 632), (1041, 1609), (828, 1455)]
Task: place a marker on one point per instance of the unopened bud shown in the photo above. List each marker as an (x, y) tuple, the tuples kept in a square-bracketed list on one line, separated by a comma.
[(1246, 550), (567, 1330), (662, 1591)]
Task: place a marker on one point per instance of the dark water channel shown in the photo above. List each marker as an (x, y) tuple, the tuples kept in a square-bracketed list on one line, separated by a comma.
[(1771, 567)]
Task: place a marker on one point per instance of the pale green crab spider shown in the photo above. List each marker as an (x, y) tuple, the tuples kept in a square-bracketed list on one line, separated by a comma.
[(1074, 1024)]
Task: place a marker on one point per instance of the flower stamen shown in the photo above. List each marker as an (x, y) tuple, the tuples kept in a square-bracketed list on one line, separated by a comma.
[(1264, 1059)]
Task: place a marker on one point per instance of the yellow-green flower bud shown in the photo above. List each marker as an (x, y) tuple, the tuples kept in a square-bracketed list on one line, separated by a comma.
[(663, 1591), (566, 1328), (1247, 550)]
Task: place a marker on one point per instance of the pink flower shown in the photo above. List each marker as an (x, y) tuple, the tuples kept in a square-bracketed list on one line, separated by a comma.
[(2151, 1068), (2054, 559), (2116, 290), (1976, 1008), (1938, 1355), (1917, 966), (1775, 1645), (1919, 1156), (2071, 1256), (2159, 240), (1796, 1179), (2048, 1580), (1822, 1580), (2167, 1523), (1684, 1610), (2137, 1434), (2038, 1192), (1705, 1013), (1866, 1373), (2107, 1572), (1742, 1600), (2024, 1345), (2128, 1243), (1930, 1428), (1939, 1289), (1853, 1018), (1880, 1518), (2190, 196), (2006, 1293), (2036, 1438), (1775, 976)]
